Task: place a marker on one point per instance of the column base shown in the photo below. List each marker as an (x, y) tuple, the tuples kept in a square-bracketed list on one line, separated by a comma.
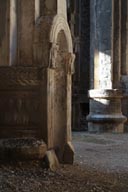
[(105, 127), (105, 111)]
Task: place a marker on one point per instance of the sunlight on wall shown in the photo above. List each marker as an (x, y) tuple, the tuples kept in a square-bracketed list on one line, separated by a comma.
[(103, 70)]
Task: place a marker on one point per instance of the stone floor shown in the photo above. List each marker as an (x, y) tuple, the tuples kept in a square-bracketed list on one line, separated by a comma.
[(101, 165), (105, 152)]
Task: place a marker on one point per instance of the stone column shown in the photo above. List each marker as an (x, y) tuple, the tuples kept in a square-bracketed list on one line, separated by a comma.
[(4, 31), (105, 98), (124, 57), (8, 32), (26, 21), (52, 35), (13, 32), (61, 8), (37, 10)]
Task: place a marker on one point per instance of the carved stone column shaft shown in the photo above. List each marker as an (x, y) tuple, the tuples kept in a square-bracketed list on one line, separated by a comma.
[(105, 102)]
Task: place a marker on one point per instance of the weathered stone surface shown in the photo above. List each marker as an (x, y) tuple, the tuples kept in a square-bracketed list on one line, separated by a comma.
[(124, 87), (4, 30), (26, 15), (22, 149), (105, 111), (101, 47), (51, 160), (35, 87), (105, 100), (68, 156)]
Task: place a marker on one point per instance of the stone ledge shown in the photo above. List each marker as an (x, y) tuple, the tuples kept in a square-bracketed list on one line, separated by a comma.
[(105, 111), (105, 93), (22, 149)]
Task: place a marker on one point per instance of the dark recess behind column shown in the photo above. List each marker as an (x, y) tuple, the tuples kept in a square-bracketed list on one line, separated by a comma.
[(81, 76)]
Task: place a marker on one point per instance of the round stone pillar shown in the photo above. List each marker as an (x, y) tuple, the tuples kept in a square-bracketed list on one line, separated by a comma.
[(105, 111), (105, 96)]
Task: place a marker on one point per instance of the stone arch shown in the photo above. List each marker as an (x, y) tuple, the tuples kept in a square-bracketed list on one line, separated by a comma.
[(61, 62), (48, 29), (59, 23), (60, 96)]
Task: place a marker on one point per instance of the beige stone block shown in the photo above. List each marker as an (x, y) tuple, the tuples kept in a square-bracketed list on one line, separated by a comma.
[(51, 160)]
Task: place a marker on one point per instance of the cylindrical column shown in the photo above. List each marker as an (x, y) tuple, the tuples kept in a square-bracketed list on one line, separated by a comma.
[(105, 111), (105, 102), (102, 44), (124, 57)]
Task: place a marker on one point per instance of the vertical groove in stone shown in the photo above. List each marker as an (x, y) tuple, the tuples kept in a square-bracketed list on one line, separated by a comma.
[(37, 9), (124, 37), (116, 38), (120, 36), (13, 33), (4, 32), (26, 21), (91, 45)]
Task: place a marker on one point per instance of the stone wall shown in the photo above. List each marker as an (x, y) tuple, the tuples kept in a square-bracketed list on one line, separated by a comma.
[(26, 21), (101, 24), (36, 52)]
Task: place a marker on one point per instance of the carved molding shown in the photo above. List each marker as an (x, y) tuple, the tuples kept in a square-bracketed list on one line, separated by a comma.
[(20, 76), (69, 60), (46, 37), (53, 55), (60, 23)]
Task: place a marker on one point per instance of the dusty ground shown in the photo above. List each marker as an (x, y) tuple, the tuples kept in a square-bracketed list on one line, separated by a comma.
[(105, 152), (101, 164)]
